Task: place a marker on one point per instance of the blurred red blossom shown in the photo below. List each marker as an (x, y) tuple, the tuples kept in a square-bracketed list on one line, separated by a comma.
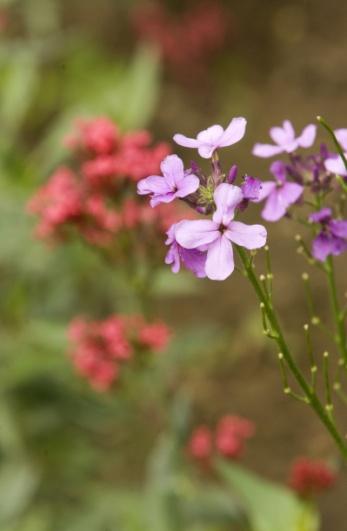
[(200, 445), (228, 438), (231, 433), (155, 336), (308, 477), (101, 348), (96, 194), (186, 41)]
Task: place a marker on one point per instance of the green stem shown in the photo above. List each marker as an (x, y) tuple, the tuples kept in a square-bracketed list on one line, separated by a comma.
[(337, 312), (281, 342)]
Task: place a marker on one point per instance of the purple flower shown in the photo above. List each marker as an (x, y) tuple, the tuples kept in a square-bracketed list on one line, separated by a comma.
[(332, 238), (214, 137), (285, 140), (336, 165), (341, 135), (279, 194), (251, 188), (192, 259), (174, 182), (216, 235), (232, 175)]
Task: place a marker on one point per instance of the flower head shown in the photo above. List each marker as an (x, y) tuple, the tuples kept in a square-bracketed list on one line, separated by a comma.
[(174, 183), (227, 439), (231, 433), (332, 238), (285, 140), (308, 477), (155, 336), (216, 236), (279, 194), (101, 348), (200, 445), (214, 137), (251, 188)]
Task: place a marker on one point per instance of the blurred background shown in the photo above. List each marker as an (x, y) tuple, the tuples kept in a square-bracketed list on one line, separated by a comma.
[(73, 458)]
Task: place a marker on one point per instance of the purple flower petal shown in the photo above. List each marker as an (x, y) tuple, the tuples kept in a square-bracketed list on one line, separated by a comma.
[(206, 151), (173, 258), (220, 260), (213, 137), (290, 192), (267, 188), (226, 197), (193, 234), (285, 139), (336, 165), (341, 135), (338, 228), (194, 260), (274, 208), (283, 135), (279, 171), (187, 186), (173, 170), (248, 236), (266, 150), (251, 188), (232, 175), (322, 216), (185, 141), (165, 198), (234, 132), (325, 245), (280, 199), (308, 136), (153, 184)]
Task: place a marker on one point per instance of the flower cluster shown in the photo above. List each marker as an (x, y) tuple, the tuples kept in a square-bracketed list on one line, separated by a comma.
[(95, 195), (101, 348), (186, 41), (308, 477), (205, 245), (228, 438), (315, 173)]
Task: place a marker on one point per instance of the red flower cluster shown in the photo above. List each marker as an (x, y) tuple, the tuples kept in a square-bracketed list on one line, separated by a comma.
[(228, 439), (98, 196), (308, 477), (101, 348), (188, 41)]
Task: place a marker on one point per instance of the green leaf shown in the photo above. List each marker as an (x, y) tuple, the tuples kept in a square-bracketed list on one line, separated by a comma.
[(17, 91), (140, 90), (269, 507), (18, 483)]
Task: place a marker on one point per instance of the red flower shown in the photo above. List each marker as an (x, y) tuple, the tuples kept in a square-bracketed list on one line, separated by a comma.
[(308, 477), (187, 41), (98, 199), (231, 434), (200, 445), (228, 439), (99, 136), (101, 348), (155, 336)]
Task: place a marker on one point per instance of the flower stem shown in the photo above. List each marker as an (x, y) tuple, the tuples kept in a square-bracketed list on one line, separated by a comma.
[(310, 394), (337, 312)]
